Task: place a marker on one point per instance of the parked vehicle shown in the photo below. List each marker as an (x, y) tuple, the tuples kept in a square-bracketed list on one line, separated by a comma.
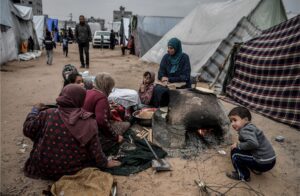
[(101, 39)]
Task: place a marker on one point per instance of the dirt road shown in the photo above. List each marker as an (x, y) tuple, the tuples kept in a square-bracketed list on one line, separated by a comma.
[(26, 83)]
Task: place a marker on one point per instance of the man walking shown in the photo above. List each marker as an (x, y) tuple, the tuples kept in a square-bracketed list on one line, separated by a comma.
[(83, 36), (112, 39)]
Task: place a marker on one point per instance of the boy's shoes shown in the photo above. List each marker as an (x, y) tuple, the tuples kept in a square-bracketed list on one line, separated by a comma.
[(82, 66), (235, 176), (256, 172), (87, 66)]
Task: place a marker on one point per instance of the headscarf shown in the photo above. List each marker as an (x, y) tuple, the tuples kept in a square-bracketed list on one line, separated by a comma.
[(152, 76), (77, 121), (174, 59), (104, 83)]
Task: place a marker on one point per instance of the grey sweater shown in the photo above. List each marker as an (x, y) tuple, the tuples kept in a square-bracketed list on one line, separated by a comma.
[(252, 139), (83, 33)]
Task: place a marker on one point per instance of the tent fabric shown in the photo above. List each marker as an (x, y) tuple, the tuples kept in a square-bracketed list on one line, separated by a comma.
[(5, 16), (95, 26), (268, 13), (39, 25), (150, 30), (23, 12), (267, 73), (244, 31), (124, 31), (211, 22), (14, 29), (8, 46), (52, 26)]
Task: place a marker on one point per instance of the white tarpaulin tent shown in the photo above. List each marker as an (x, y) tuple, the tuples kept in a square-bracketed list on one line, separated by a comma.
[(95, 26), (8, 50), (208, 32), (40, 26), (16, 26)]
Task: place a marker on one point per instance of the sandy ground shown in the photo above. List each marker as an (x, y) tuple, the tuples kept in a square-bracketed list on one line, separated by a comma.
[(26, 83)]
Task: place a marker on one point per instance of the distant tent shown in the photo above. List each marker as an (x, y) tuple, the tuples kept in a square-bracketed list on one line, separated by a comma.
[(40, 27), (124, 31), (148, 30), (52, 26), (267, 73), (95, 26), (210, 30), (116, 26), (16, 26)]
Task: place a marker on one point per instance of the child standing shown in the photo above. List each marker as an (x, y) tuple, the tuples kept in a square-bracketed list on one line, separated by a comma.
[(49, 45), (146, 88), (65, 42), (253, 151)]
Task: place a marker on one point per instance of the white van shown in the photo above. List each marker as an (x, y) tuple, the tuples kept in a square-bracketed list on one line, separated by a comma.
[(97, 39)]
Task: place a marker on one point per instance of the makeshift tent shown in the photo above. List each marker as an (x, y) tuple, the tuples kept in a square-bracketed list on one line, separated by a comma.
[(124, 31), (116, 26), (52, 26), (148, 30), (95, 26), (267, 73), (40, 27), (16, 27), (208, 32)]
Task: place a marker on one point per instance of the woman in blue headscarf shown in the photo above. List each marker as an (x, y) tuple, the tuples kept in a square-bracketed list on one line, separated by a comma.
[(174, 67)]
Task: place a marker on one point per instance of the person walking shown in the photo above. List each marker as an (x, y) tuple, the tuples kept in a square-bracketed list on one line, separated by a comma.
[(83, 36), (49, 45), (112, 39)]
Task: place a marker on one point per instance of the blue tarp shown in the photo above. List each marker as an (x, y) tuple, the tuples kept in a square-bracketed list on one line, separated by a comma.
[(52, 26)]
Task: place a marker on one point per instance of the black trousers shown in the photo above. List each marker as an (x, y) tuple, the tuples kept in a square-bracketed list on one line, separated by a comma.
[(160, 97), (243, 161), (84, 47), (65, 50)]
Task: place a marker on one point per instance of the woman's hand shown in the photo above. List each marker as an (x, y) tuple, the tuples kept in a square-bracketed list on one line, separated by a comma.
[(113, 163), (142, 88), (120, 138), (165, 79)]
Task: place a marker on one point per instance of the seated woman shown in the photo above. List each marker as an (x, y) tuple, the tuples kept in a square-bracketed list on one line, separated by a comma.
[(65, 139), (174, 67), (96, 101)]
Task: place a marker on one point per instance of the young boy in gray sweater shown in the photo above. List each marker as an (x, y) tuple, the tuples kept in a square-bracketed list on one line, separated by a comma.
[(253, 151)]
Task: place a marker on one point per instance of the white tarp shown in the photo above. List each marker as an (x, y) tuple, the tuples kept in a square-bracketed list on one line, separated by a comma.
[(8, 49), (29, 55), (125, 97), (211, 22), (126, 23), (95, 26), (116, 26), (24, 12), (5, 15), (39, 25)]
